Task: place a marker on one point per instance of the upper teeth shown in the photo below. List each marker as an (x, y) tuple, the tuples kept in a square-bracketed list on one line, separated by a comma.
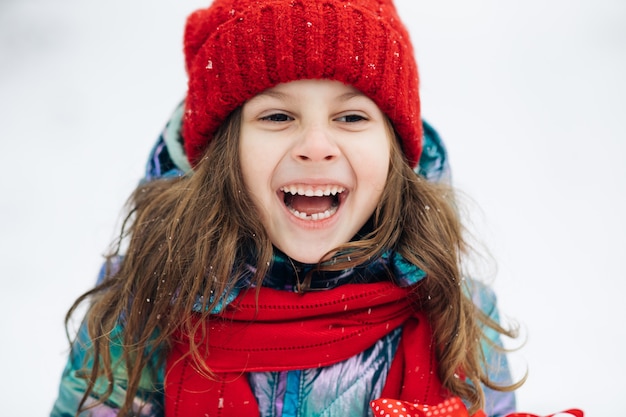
[(310, 191)]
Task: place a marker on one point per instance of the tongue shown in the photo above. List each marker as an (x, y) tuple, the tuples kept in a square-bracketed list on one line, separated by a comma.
[(309, 205)]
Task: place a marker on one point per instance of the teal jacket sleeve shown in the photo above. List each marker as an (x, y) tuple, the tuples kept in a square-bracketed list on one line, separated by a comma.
[(497, 403), (147, 403)]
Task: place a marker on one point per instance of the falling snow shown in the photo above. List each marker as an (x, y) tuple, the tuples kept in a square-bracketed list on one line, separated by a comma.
[(54, 56)]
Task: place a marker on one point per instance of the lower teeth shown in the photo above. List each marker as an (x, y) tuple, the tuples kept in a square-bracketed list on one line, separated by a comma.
[(315, 216)]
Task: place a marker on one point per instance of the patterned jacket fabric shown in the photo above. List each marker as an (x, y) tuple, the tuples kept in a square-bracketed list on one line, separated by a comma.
[(345, 388)]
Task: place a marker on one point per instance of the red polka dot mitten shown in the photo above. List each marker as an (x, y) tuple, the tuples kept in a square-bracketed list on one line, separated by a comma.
[(453, 407), (567, 413)]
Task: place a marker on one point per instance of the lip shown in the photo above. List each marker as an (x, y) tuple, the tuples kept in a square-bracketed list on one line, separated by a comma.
[(316, 185)]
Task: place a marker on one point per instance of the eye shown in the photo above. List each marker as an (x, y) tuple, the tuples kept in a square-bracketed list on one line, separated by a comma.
[(277, 118), (351, 118)]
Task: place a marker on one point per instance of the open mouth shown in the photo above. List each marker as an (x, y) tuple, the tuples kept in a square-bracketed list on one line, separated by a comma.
[(312, 203)]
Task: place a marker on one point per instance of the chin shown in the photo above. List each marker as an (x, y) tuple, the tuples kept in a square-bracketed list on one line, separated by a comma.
[(308, 256), (305, 259)]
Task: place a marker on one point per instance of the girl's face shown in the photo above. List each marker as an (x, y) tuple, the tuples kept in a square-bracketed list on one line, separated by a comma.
[(315, 158)]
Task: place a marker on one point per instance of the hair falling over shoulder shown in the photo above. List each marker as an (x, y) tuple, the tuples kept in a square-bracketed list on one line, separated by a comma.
[(186, 238), (420, 219)]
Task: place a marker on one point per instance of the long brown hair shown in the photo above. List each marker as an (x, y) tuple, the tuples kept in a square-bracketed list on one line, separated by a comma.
[(185, 238)]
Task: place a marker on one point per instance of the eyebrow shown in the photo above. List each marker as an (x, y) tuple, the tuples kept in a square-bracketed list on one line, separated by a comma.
[(273, 93), (351, 94)]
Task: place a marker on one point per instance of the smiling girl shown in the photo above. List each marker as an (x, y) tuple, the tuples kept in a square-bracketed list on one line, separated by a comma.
[(289, 253), (314, 158)]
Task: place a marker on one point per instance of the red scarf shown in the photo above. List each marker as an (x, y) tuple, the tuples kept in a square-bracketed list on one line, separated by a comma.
[(288, 331)]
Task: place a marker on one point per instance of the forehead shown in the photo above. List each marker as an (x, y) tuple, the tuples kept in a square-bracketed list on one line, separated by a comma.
[(331, 89)]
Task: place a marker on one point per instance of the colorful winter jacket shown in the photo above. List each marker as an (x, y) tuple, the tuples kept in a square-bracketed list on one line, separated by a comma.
[(342, 389)]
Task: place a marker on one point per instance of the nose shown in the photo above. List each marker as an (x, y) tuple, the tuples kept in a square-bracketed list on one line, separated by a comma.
[(315, 145)]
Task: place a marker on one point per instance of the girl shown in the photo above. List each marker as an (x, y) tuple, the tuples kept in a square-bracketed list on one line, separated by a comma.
[(282, 257)]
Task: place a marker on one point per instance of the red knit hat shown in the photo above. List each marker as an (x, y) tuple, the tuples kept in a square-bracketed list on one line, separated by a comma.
[(236, 49)]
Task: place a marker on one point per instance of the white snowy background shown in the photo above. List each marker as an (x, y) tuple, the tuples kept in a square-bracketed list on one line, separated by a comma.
[(528, 95)]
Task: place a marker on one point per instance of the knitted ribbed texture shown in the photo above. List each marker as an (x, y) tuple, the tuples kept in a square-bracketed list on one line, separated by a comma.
[(236, 49)]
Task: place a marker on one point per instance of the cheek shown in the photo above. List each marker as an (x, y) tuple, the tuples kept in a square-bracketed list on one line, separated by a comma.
[(246, 150), (250, 158), (257, 194), (253, 180), (257, 171), (375, 164)]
